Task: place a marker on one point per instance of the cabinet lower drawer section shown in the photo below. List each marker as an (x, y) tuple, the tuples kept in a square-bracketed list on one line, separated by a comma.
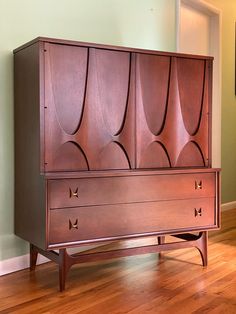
[(127, 220), (129, 189)]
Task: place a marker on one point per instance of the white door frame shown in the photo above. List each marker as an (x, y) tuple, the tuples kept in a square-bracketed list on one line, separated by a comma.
[(215, 50)]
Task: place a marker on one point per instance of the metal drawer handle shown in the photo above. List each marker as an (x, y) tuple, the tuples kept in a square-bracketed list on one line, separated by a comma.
[(198, 212), (73, 225), (198, 185), (74, 193)]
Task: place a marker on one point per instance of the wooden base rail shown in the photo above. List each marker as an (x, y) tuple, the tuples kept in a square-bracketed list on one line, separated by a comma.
[(65, 261)]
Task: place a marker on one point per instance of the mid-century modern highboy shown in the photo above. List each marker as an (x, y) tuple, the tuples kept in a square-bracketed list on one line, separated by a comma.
[(111, 143)]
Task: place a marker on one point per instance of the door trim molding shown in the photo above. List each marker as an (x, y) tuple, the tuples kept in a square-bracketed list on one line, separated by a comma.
[(216, 47)]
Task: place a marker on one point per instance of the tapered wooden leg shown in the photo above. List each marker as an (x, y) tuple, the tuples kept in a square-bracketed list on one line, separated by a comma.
[(161, 239), (198, 241), (202, 247), (33, 257), (64, 266), (65, 261)]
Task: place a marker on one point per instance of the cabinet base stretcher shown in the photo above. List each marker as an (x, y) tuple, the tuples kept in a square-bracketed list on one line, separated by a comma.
[(65, 261)]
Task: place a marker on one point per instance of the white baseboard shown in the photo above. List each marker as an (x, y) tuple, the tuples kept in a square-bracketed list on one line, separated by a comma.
[(18, 263), (21, 262), (228, 206)]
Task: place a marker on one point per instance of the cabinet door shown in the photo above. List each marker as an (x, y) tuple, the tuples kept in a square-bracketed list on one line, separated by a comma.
[(173, 96), (89, 114)]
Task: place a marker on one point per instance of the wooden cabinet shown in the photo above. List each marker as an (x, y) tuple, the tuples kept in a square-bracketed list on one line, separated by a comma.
[(111, 143)]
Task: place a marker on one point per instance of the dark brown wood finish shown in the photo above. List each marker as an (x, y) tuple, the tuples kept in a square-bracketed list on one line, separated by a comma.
[(65, 261), (90, 224), (151, 283), (172, 104), (130, 173), (109, 47), (129, 189), (30, 191), (112, 143), (104, 100)]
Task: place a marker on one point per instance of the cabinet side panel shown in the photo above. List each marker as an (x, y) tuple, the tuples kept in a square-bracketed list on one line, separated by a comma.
[(29, 185), (210, 74)]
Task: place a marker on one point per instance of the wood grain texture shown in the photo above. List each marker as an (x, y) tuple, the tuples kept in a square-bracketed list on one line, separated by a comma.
[(141, 284), (68, 73), (190, 74), (92, 117), (89, 109), (65, 261), (130, 189), (124, 173), (30, 203), (173, 116), (154, 75), (130, 220), (109, 47)]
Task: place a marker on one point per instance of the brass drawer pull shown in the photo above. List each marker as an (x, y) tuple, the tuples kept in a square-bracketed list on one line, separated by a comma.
[(198, 185), (198, 212), (74, 193), (73, 225)]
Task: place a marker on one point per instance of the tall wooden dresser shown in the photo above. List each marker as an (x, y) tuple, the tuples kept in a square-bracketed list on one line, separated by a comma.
[(111, 143)]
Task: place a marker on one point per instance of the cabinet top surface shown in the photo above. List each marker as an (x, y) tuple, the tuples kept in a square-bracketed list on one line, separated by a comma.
[(103, 46)]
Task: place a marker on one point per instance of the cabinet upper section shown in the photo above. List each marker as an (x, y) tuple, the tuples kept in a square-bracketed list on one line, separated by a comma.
[(101, 107)]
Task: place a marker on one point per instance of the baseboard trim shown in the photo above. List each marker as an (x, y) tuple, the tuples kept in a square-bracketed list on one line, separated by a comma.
[(228, 206), (18, 263)]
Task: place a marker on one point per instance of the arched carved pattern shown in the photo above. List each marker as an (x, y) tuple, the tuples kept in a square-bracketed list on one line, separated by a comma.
[(68, 70), (70, 156), (109, 109), (155, 156), (120, 159), (190, 74), (113, 76), (154, 73), (184, 135), (190, 155), (101, 134)]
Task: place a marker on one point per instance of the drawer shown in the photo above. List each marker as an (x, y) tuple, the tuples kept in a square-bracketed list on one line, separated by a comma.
[(129, 189), (127, 220)]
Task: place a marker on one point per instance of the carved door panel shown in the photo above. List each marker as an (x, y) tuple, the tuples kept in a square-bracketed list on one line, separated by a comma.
[(172, 99), (110, 109), (89, 110)]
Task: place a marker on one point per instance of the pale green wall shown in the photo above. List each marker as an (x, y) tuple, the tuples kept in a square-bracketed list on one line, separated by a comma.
[(228, 8), (136, 23)]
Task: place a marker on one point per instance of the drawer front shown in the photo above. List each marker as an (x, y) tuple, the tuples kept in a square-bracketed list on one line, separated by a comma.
[(125, 220), (118, 190)]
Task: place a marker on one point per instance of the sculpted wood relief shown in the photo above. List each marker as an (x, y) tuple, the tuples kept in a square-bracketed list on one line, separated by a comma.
[(89, 120), (68, 73), (154, 74), (190, 76), (172, 119), (91, 125), (113, 77)]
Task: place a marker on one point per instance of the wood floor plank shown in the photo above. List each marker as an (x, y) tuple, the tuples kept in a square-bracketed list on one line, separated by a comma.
[(173, 282)]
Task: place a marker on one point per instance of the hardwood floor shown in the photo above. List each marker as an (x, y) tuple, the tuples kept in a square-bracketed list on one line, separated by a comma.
[(173, 282)]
